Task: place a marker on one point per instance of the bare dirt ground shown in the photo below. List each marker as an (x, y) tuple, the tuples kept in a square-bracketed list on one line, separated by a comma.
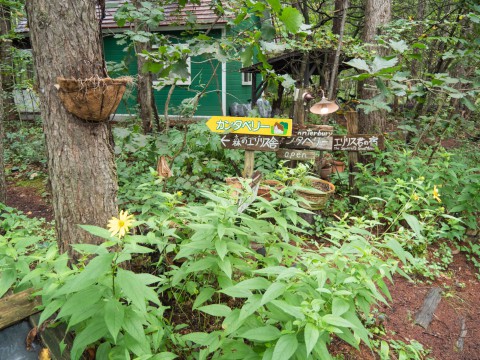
[(460, 302)]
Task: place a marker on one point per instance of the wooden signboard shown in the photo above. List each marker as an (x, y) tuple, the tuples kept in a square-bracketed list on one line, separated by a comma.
[(318, 139), (250, 142), (293, 154), (358, 142), (251, 126)]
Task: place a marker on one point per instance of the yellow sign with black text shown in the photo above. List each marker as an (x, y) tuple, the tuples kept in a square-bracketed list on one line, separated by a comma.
[(253, 126)]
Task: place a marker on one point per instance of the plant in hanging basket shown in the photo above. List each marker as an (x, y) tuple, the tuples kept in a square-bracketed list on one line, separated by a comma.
[(92, 99), (317, 197)]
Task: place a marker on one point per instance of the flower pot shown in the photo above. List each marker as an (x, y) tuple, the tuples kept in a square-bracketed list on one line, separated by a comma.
[(264, 190), (338, 166), (316, 199), (326, 172), (267, 187), (93, 99)]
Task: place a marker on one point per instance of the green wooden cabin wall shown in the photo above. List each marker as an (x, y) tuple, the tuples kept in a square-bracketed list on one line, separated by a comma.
[(210, 103)]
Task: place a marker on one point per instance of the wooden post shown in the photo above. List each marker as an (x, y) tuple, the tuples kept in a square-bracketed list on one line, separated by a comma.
[(249, 163), (352, 129)]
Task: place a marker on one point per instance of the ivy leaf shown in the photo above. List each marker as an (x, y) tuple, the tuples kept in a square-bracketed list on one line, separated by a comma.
[(285, 347), (292, 19), (359, 64)]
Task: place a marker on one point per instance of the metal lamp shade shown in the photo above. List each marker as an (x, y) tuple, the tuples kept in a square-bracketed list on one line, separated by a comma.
[(324, 107)]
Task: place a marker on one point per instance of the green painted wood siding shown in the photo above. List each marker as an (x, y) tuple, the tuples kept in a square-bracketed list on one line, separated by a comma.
[(202, 70)]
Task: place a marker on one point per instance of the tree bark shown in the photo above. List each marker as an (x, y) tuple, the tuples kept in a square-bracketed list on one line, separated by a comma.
[(65, 37), (3, 182), (334, 75), (4, 29), (10, 112), (144, 80), (377, 13)]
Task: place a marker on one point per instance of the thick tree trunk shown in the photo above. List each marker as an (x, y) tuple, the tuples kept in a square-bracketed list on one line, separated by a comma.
[(65, 39), (377, 13)]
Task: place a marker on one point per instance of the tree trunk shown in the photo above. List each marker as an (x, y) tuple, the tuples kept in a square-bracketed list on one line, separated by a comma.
[(4, 51), (9, 109), (65, 37), (144, 80), (334, 75), (377, 13), (3, 183)]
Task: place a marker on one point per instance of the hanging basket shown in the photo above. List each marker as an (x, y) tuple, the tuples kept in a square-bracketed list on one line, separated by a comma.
[(316, 200), (93, 99)]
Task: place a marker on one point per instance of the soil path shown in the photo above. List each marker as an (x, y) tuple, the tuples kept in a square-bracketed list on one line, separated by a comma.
[(27, 200)]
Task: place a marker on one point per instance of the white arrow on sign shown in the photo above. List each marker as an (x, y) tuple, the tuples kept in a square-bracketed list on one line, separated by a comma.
[(224, 140)]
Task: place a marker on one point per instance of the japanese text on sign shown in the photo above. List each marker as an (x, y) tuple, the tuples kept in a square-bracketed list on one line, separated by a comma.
[(248, 142), (253, 126), (358, 142)]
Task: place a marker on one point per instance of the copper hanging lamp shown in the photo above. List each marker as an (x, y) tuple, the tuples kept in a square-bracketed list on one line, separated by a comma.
[(324, 106)]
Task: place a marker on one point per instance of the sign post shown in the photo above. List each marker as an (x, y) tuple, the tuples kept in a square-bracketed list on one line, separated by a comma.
[(270, 134), (250, 134)]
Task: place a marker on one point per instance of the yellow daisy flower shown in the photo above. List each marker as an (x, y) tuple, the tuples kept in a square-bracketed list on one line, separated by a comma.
[(436, 194), (120, 226)]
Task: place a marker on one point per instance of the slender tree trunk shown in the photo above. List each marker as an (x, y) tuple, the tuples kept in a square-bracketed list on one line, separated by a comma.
[(65, 42), (377, 13), (334, 75), (144, 80), (6, 66), (4, 96), (3, 182)]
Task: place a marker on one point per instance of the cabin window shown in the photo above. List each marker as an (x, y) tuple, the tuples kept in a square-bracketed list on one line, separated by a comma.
[(246, 78)]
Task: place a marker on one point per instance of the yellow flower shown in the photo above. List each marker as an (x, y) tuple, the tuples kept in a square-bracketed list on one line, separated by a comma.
[(415, 197), (121, 225), (436, 194), (179, 193)]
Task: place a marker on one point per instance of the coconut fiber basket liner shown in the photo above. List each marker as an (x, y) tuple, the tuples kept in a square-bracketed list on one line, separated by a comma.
[(93, 99), (316, 201)]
